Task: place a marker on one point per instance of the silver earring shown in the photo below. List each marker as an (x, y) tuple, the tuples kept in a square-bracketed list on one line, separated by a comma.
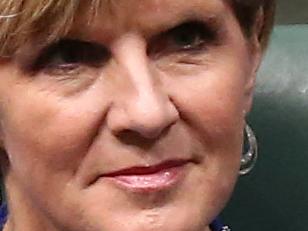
[(249, 158)]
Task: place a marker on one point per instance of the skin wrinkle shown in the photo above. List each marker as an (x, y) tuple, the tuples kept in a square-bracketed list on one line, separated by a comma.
[(65, 142), (148, 25)]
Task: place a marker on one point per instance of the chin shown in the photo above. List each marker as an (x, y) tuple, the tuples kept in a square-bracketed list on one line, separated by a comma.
[(155, 219), (155, 212), (190, 203)]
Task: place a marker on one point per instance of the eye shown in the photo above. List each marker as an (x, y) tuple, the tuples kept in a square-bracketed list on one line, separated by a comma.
[(68, 54), (188, 36)]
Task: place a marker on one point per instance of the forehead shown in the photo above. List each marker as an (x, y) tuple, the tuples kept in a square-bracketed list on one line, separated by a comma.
[(141, 8), (148, 16)]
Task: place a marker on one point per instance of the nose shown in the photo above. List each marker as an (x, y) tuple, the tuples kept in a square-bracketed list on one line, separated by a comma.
[(144, 108), (147, 114)]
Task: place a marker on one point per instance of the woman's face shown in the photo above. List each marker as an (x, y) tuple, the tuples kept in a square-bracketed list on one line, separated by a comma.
[(133, 122)]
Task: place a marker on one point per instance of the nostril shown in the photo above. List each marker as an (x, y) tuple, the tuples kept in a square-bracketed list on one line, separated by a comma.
[(142, 138), (134, 138)]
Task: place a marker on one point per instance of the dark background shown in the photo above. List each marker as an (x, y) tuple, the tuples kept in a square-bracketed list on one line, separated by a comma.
[(275, 195), (292, 12)]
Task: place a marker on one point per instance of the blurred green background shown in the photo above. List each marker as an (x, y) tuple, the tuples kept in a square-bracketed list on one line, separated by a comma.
[(275, 195)]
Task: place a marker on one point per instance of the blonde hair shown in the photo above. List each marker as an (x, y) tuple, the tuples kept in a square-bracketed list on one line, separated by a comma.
[(21, 20)]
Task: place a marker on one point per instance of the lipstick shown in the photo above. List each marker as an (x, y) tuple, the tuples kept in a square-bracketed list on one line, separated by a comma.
[(150, 178)]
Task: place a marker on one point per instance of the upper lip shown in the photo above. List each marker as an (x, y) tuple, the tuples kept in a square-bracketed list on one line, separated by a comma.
[(145, 170)]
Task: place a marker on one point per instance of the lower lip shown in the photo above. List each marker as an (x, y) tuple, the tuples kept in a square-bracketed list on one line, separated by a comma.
[(162, 180)]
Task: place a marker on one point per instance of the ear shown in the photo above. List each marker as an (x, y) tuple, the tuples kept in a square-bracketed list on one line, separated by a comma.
[(256, 51), (255, 39)]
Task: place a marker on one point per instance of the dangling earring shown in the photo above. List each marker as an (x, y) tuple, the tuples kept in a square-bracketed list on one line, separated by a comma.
[(250, 157)]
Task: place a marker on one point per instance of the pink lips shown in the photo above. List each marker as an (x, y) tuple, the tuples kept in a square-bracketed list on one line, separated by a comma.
[(149, 179)]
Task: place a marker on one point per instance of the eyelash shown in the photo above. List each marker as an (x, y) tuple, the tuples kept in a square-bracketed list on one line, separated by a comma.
[(186, 37), (68, 55)]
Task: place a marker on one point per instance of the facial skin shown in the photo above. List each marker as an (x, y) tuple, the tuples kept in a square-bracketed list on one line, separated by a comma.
[(150, 94)]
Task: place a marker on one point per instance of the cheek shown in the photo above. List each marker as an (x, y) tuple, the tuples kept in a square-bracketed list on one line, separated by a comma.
[(212, 101), (46, 135)]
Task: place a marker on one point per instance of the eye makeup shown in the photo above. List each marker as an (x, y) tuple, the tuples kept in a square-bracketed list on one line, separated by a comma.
[(69, 54), (187, 36)]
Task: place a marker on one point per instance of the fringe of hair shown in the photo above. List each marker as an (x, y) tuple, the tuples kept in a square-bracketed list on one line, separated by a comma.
[(21, 20)]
